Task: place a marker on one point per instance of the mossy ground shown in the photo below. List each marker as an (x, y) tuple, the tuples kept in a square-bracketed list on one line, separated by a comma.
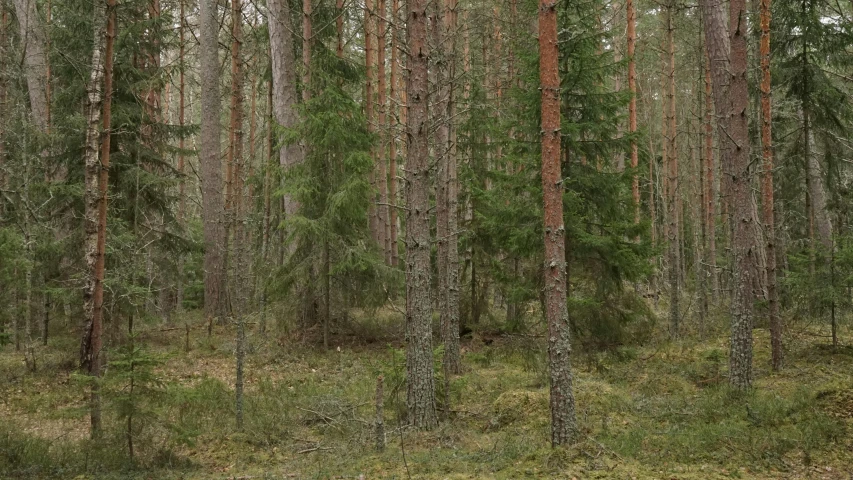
[(662, 411)]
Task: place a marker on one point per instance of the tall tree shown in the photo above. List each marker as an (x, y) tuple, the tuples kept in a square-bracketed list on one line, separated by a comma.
[(392, 140), (710, 190), (673, 225), (451, 324), (420, 397), (744, 241), (632, 106), (35, 60), (563, 422), (211, 165), (382, 129), (283, 67), (97, 163), (767, 189)]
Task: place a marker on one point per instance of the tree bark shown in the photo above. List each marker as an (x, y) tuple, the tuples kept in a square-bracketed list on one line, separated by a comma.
[(210, 161), (744, 241), (284, 87), (563, 423), (306, 50), (710, 191), (392, 142), (35, 61), (420, 397), (382, 130), (182, 201), (97, 180), (452, 356), (632, 106), (767, 190), (673, 230), (235, 154)]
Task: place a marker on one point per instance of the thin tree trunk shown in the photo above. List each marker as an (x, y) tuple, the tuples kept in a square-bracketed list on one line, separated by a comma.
[(710, 191), (97, 181), (673, 237), (235, 154), (420, 397), (369, 109), (392, 141), (632, 107), (452, 356), (211, 168), (306, 50), (767, 190), (339, 27), (182, 200), (382, 100), (563, 423)]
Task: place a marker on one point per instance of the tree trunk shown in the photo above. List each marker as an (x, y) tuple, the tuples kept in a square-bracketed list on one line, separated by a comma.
[(744, 241), (35, 61), (382, 172), (182, 199), (710, 191), (306, 50), (284, 87), (369, 62), (420, 397), (563, 423), (452, 357), (632, 107), (210, 161), (235, 156), (97, 180), (767, 190), (673, 230), (392, 141)]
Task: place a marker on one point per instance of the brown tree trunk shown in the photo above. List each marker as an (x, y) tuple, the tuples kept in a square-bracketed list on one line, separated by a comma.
[(381, 128), (744, 241), (563, 423), (392, 141), (97, 181), (632, 107), (369, 61), (235, 154), (420, 397), (182, 201), (710, 191), (452, 355), (673, 230), (306, 50), (339, 27), (210, 161), (767, 190)]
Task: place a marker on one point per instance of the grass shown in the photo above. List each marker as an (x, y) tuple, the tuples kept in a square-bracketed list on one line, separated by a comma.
[(660, 411)]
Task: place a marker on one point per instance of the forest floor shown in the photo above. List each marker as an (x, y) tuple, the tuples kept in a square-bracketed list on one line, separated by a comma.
[(657, 412)]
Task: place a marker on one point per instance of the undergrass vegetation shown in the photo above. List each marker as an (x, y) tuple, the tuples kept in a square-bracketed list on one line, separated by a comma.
[(657, 411)]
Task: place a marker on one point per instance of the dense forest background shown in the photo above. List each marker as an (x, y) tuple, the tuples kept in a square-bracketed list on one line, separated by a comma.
[(411, 238)]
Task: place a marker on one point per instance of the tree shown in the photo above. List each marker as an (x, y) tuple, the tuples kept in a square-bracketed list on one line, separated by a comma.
[(211, 166), (283, 67), (420, 397), (672, 203), (767, 190), (97, 161), (35, 61), (744, 241), (563, 422)]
